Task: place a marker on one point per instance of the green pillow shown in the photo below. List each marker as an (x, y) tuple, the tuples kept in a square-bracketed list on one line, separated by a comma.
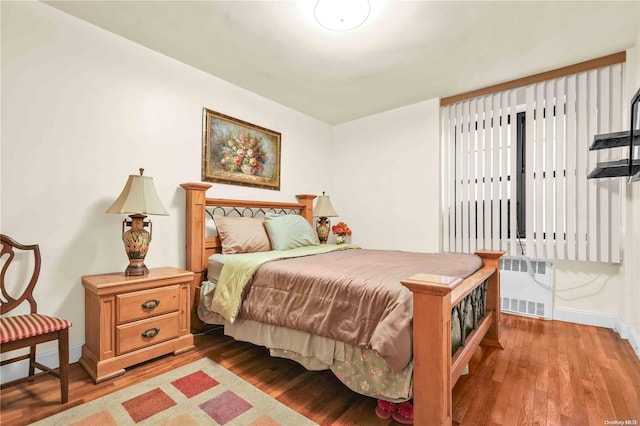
[(290, 231)]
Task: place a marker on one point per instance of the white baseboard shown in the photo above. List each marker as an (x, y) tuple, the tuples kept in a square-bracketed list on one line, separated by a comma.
[(584, 317), (600, 320), (20, 369)]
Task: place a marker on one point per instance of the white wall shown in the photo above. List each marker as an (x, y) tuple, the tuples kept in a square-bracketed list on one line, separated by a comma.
[(589, 287), (386, 178), (631, 296), (82, 109)]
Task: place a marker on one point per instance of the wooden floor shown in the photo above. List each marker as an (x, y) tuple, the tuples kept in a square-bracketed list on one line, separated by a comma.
[(550, 373)]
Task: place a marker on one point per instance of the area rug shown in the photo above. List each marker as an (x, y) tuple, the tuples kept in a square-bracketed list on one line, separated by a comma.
[(200, 393)]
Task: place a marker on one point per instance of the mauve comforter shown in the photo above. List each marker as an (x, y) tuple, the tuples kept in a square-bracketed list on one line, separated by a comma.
[(353, 296)]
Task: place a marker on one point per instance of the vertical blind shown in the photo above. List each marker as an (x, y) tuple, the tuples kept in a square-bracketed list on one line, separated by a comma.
[(563, 215)]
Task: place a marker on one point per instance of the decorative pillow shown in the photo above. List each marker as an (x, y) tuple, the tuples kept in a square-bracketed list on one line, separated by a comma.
[(242, 234), (290, 231)]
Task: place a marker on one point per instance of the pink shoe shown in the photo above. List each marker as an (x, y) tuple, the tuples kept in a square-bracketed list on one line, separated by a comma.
[(403, 413), (385, 409)]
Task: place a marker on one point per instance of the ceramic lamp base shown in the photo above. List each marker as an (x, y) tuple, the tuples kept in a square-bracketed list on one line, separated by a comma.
[(136, 268), (323, 230), (136, 244)]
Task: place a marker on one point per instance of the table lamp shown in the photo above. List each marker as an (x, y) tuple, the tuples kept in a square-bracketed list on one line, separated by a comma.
[(323, 210), (138, 199)]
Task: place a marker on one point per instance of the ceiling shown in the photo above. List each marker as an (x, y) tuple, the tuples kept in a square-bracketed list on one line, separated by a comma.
[(406, 52)]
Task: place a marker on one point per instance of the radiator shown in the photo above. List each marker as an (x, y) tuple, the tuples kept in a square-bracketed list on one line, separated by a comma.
[(525, 292)]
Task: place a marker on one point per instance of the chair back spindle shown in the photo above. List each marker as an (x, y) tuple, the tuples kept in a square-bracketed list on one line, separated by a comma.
[(9, 303)]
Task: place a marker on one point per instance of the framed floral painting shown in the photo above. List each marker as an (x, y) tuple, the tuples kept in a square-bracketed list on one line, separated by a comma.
[(239, 153)]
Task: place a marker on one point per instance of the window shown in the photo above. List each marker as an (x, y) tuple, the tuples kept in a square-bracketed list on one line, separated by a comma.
[(516, 165)]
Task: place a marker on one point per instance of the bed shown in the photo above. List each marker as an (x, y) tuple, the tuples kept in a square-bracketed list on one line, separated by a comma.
[(451, 316)]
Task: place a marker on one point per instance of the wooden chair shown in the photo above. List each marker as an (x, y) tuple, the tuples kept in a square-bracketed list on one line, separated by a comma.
[(21, 331)]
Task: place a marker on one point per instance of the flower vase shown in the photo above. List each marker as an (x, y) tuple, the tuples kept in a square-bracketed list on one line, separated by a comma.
[(247, 169), (341, 239)]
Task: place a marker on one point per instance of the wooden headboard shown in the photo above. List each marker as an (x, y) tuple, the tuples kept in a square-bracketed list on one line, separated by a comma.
[(199, 247)]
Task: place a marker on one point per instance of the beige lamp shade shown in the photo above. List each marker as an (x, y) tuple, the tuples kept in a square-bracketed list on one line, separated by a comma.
[(138, 197), (323, 207)]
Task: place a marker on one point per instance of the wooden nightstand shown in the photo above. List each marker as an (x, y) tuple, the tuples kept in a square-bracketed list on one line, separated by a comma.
[(129, 320)]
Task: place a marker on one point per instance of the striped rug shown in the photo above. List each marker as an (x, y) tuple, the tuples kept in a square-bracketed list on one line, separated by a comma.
[(200, 393)]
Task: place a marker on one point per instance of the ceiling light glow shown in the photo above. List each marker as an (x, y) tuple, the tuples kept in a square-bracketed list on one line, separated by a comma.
[(341, 15)]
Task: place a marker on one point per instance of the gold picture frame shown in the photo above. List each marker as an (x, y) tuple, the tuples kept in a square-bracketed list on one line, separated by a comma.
[(235, 152)]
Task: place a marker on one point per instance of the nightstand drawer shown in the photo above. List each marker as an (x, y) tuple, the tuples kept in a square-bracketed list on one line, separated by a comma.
[(147, 303), (148, 332)]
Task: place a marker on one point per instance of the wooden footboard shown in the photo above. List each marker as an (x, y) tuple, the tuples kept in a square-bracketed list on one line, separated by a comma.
[(435, 300)]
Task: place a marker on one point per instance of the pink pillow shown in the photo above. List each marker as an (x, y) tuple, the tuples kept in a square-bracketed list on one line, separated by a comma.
[(242, 234)]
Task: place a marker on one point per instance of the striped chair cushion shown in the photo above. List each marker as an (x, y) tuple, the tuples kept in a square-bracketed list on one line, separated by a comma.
[(23, 326)]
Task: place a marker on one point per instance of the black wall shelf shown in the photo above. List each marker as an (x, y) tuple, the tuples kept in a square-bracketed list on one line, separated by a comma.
[(628, 167)]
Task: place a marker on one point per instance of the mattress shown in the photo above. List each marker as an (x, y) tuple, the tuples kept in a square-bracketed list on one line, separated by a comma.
[(214, 266)]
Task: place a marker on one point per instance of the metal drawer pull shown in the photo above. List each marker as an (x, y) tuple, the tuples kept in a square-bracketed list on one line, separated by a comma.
[(150, 304), (151, 332)]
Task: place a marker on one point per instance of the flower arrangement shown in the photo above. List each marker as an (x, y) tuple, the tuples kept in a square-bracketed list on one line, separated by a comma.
[(342, 231), (244, 153)]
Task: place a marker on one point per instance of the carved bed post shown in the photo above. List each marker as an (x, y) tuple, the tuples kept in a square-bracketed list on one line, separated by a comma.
[(307, 200), (431, 348), (196, 194)]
